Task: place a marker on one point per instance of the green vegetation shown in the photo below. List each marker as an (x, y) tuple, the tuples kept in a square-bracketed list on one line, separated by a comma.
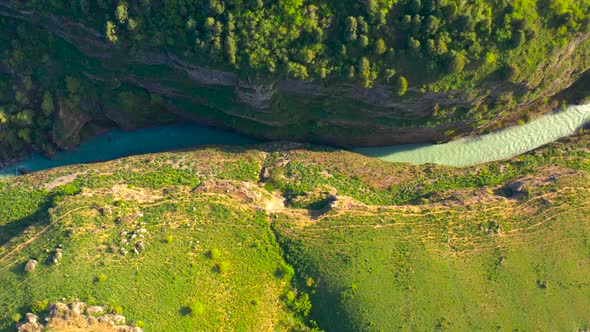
[(349, 242), (115, 68)]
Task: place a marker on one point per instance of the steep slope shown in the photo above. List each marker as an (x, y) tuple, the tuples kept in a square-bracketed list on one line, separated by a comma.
[(345, 74)]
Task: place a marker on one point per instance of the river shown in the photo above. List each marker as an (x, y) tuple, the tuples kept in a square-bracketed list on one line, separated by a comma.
[(499, 145)]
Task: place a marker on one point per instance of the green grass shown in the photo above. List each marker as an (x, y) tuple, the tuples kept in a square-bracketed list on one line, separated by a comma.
[(432, 247), (236, 291), (401, 271)]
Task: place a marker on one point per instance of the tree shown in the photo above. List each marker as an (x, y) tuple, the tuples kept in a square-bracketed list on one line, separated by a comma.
[(365, 72), (111, 32), (121, 12), (351, 28), (230, 49), (455, 62), (389, 74), (297, 70), (362, 25), (380, 46), (518, 39), (414, 6), (306, 55), (401, 86), (363, 41), (47, 104), (431, 24), (216, 6)]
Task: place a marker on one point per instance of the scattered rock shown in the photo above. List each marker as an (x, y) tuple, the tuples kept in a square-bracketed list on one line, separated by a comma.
[(123, 251), (30, 324), (76, 319), (94, 310), (32, 318), (59, 310), (516, 188), (105, 211), (140, 245), (31, 265), (265, 174), (78, 308), (57, 256)]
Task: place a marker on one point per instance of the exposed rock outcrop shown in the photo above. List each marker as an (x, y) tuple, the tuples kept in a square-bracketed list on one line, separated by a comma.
[(76, 316)]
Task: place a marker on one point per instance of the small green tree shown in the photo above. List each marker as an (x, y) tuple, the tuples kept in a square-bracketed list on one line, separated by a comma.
[(455, 62), (401, 86), (122, 13), (365, 71), (111, 32), (47, 105), (351, 28), (380, 46)]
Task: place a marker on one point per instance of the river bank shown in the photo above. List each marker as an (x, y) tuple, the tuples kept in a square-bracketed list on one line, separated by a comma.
[(498, 145)]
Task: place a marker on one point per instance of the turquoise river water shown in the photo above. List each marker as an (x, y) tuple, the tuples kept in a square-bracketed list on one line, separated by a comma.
[(499, 145)]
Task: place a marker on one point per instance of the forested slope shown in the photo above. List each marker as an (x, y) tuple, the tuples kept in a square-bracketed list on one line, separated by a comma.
[(340, 72)]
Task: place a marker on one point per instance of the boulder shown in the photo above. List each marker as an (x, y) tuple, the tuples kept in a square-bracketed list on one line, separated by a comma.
[(77, 308), (94, 310), (59, 309), (30, 324), (57, 256), (31, 265)]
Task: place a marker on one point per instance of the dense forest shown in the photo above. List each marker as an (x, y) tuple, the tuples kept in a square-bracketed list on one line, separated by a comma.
[(407, 45)]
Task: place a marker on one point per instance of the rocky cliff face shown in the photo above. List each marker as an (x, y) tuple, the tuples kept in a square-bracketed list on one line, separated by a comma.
[(333, 113)]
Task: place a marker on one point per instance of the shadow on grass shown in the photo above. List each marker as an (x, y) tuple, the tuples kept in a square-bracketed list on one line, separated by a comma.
[(39, 216)]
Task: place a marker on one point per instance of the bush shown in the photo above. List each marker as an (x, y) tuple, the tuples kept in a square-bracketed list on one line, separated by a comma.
[(16, 317), (222, 267), (115, 309), (214, 254), (302, 305), (39, 305), (101, 278), (196, 308), (401, 86), (285, 271)]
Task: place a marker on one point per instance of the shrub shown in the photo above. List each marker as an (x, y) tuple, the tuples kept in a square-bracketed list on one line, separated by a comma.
[(196, 308), (115, 309), (214, 254), (285, 271), (169, 239), (401, 86), (222, 267), (101, 278), (302, 305), (16, 317), (39, 305)]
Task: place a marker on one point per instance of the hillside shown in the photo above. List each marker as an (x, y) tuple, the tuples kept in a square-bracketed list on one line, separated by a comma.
[(287, 236), (344, 73)]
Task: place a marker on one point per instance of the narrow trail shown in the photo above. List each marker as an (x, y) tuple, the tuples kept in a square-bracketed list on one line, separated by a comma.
[(4, 260)]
